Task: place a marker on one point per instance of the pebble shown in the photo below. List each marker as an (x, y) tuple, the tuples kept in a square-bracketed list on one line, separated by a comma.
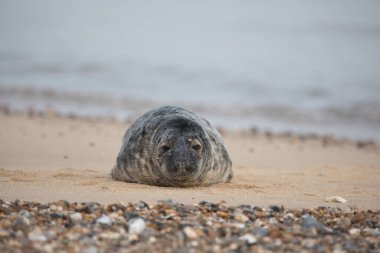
[(168, 226), (308, 221), (136, 226), (90, 249), (190, 233), (104, 220), (354, 231), (21, 221), (273, 221), (36, 235), (289, 216), (3, 233), (5, 210), (241, 217), (248, 238), (76, 217), (344, 223), (110, 235), (260, 232), (239, 225)]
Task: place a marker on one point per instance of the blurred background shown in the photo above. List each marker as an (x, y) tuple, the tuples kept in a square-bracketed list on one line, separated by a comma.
[(278, 65)]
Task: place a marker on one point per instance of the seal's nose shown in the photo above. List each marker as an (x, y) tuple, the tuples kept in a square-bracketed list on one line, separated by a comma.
[(181, 165)]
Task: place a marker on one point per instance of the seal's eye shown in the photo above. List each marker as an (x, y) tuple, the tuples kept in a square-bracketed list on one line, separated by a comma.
[(195, 144), (196, 147), (164, 148)]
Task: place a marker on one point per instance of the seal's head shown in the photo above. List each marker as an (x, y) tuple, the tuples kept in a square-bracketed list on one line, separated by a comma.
[(180, 150)]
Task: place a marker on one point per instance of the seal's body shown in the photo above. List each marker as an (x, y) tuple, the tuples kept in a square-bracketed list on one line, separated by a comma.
[(172, 146)]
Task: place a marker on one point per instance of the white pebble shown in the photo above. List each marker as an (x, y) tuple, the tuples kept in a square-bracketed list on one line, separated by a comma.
[(354, 231), (336, 199), (190, 233), (36, 235), (239, 225), (289, 216), (91, 249), (3, 233), (248, 238), (136, 226), (241, 217), (152, 239), (273, 221), (76, 217), (104, 220)]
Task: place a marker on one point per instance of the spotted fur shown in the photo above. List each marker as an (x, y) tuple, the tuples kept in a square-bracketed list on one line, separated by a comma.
[(172, 146)]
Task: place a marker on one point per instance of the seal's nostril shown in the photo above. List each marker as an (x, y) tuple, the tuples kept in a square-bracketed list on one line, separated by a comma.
[(181, 165)]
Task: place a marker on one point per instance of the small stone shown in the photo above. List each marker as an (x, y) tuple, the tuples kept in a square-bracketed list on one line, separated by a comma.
[(36, 235), (239, 225), (222, 214), (152, 239), (354, 231), (48, 248), (190, 233), (371, 231), (275, 208), (241, 217), (133, 237), (21, 221), (273, 221), (110, 235), (259, 231), (57, 208), (359, 217), (194, 243), (335, 199), (233, 246), (75, 217), (91, 249), (308, 221), (5, 210), (104, 220), (344, 223), (24, 213), (136, 226), (248, 238), (216, 248), (3, 233), (289, 216), (308, 243)]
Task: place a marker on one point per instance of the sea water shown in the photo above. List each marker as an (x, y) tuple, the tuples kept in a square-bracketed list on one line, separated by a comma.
[(280, 65)]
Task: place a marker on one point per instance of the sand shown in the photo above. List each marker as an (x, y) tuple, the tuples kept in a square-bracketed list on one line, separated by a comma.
[(48, 158)]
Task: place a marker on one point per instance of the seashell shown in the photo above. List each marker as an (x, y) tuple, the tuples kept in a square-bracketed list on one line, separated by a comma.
[(335, 199)]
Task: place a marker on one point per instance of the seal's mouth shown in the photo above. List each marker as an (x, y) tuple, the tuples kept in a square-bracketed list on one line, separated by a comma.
[(182, 177), (179, 179), (182, 182)]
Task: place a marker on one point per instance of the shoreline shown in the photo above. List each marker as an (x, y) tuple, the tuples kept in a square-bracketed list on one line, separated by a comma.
[(47, 158), (358, 122), (325, 139)]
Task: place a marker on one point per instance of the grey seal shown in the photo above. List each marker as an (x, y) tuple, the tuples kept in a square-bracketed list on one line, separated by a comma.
[(172, 146)]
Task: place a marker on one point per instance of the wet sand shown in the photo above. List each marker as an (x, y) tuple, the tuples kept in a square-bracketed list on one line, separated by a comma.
[(48, 158)]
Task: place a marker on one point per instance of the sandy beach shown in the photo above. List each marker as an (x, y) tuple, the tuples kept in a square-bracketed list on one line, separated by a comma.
[(293, 86), (47, 158)]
